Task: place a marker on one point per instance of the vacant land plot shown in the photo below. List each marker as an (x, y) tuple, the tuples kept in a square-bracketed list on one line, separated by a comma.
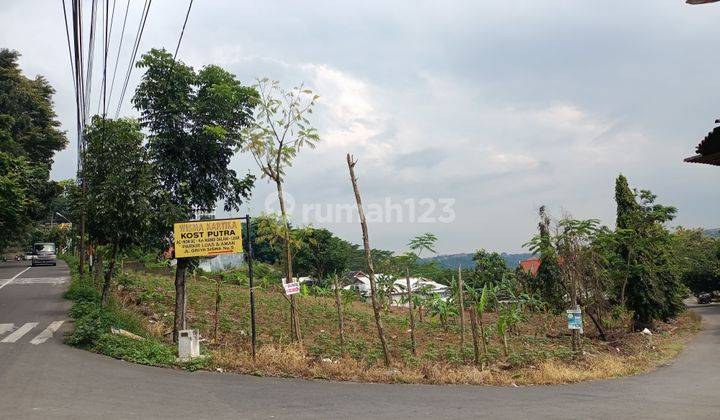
[(539, 347)]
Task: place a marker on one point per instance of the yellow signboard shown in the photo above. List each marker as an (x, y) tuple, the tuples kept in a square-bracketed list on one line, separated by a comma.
[(207, 238)]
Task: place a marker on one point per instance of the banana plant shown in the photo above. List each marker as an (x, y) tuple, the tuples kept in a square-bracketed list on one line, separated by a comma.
[(479, 301), (442, 309), (502, 324)]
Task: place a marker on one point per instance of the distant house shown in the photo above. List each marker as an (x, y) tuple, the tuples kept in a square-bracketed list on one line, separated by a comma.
[(360, 282), (308, 281), (357, 281), (419, 285), (531, 265)]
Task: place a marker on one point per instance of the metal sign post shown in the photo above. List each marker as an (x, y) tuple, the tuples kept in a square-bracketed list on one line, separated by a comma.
[(248, 232), (205, 238)]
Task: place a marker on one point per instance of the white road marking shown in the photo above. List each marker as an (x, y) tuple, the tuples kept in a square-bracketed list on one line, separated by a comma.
[(42, 280), (15, 336), (6, 328), (16, 276), (47, 333)]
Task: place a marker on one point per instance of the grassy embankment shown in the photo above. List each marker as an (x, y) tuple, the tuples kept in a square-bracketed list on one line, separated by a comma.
[(539, 349)]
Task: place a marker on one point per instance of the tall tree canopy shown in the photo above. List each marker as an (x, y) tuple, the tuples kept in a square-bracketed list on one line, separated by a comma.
[(651, 285), (119, 184), (194, 121), (29, 138), (322, 254), (13, 192), (490, 269), (28, 124), (699, 258)]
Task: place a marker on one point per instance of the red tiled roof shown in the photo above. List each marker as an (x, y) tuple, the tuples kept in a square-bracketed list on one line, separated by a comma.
[(531, 265)]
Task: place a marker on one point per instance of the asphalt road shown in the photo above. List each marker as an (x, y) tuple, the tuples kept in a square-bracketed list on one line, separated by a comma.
[(42, 379)]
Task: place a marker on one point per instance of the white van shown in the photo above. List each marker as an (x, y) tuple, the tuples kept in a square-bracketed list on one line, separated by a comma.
[(43, 254)]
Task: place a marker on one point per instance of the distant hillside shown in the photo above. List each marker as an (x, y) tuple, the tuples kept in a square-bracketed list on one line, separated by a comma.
[(713, 233), (466, 261)]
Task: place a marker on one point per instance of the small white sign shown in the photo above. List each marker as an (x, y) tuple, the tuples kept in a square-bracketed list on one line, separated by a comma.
[(291, 288)]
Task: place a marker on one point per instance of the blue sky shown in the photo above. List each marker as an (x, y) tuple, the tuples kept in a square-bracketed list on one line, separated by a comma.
[(499, 105)]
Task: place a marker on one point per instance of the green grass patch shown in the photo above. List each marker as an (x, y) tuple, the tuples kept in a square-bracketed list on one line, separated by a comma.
[(93, 323)]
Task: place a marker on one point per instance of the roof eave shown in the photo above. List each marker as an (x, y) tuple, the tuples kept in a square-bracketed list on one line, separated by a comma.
[(710, 159)]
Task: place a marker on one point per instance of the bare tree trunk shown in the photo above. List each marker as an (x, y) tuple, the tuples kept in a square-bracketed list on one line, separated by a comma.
[(573, 297), (294, 320), (597, 321), (217, 310), (505, 343), (368, 257), (410, 311), (180, 322), (81, 266), (108, 276), (97, 273), (341, 319), (474, 330), (462, 313), (482, 332)]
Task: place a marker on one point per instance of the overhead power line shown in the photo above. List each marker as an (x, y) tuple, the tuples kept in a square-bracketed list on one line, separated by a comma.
[(108, 41), (70, 53), (117, 57), (138, 38), (90, 62), (78, 75), (182, 32), (105, 56)]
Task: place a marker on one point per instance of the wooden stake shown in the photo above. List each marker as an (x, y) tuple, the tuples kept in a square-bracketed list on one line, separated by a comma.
[(410, 311), (341, 320), (473, 327), (368, 256), (217, 310), (462, 313)]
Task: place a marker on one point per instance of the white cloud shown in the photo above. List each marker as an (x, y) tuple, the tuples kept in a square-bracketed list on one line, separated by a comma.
[(347, 111), (500, 105)]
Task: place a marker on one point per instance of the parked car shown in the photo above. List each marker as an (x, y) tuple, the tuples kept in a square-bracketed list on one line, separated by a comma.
[(43, 254), (704, 298)]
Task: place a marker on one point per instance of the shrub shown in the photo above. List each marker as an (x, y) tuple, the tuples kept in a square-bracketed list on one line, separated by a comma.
[(91, 321), (146, 352), (82, 290)]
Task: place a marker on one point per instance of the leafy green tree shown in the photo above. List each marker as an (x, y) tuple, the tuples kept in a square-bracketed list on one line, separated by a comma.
[(653, 289), (490, 269), (357, 262), (194, 120), (321, 253), (263, 251), (119, 183), (698, 257), (280, 130), (29, 130), (12, 197), (548, 281), (424, 242), (28, 124)]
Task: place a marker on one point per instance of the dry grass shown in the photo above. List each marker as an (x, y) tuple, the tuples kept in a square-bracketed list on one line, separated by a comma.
[(539, 349)]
